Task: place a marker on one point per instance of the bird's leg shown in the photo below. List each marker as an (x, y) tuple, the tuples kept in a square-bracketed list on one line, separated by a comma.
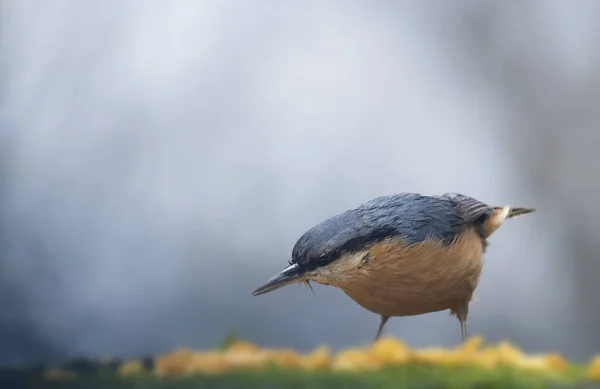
[(384, 320), (462, 311)]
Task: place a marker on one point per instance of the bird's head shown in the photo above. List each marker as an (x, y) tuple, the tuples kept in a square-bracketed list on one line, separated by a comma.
[(310, 255), (325, 254)]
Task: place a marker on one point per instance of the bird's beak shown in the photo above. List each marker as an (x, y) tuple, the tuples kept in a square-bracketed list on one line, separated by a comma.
[(287, 276)]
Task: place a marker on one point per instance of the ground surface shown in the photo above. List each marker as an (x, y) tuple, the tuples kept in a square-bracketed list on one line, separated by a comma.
[(386, 364), (426, 377)]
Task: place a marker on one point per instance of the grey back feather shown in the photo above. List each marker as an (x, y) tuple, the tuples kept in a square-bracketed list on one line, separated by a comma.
[(409, 216)]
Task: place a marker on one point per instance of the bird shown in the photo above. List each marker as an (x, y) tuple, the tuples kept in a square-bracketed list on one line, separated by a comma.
[(400, 255)]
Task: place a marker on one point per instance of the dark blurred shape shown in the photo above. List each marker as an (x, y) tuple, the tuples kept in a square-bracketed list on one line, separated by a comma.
[(112, 364), (22, 339), (147, 363), (14, 378), (82, 366)]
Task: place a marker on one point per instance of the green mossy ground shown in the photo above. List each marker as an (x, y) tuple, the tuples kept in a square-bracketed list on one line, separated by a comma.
[(418, 377)]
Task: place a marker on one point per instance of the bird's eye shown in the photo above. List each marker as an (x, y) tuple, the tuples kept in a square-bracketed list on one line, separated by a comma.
[(323, 257)]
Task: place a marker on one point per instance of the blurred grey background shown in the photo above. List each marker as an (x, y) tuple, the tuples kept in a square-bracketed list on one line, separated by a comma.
[(158, 160)]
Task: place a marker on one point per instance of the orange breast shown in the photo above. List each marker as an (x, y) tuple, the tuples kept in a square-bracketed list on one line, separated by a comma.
[(399, 280)]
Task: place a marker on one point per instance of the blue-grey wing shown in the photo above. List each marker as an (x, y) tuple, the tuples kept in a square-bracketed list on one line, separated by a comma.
[(408, 216), (471, 210)]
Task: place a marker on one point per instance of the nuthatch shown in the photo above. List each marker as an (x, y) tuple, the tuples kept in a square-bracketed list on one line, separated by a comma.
[(400, 255)]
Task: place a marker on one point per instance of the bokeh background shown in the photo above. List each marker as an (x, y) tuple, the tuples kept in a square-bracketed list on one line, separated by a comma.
[(158, 160)]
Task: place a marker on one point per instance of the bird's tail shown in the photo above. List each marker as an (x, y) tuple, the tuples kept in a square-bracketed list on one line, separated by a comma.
[(499, 215)]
